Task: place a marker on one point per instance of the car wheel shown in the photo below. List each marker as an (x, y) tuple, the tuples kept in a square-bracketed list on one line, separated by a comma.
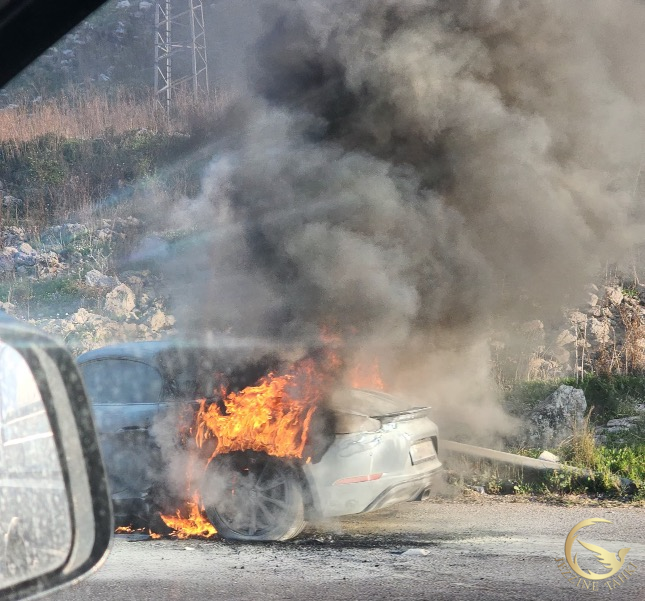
[(251, 496)]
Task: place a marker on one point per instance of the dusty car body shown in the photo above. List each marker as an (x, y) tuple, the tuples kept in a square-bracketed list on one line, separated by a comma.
[(372, 455)]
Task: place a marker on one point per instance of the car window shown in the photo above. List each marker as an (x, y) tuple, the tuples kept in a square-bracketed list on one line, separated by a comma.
[(118, 381)]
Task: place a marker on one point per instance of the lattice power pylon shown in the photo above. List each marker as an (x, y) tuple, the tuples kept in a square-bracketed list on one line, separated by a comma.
[(180, 51)]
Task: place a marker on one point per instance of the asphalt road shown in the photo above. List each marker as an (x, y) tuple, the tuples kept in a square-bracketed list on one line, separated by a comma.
[(484, 548)]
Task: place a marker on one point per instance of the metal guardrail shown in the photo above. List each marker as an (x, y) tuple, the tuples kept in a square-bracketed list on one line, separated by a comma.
[(459, 448)]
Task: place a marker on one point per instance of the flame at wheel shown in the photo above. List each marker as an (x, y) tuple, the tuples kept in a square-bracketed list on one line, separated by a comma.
[(195, 525)]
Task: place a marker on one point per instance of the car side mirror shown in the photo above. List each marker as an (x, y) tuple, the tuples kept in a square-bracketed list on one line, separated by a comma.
[(55, 511)]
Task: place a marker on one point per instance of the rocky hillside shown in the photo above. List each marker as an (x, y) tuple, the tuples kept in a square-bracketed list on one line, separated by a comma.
[(66, 279), (604, 336), (61, 280)]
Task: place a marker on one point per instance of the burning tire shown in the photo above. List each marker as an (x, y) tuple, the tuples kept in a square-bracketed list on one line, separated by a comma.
[(252, 496)]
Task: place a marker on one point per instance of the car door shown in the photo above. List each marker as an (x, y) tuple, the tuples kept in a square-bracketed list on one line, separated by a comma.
[(125, 394)]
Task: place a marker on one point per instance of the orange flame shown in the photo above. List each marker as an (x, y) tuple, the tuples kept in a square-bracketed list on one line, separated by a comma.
[(273, 416), (131, 530), (367, 375), (195, 525)]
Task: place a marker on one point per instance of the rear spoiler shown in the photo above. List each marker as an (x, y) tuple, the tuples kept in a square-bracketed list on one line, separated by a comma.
[(403, 416)]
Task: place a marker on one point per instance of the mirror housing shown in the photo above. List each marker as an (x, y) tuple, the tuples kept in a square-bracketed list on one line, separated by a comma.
[(82, 479)]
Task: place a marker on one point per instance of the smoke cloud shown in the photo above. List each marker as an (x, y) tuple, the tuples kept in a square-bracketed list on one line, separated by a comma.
[(412, 174)]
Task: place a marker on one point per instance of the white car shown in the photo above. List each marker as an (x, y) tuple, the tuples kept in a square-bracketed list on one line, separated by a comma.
[(369, 458)]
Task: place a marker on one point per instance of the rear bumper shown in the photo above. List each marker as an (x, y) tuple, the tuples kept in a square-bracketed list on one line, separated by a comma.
[(365, 472), (404, 491)]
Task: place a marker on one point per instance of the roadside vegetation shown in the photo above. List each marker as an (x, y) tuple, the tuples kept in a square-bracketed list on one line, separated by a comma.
[(83, 151), (613, 469), (611, 395), (89, 112)]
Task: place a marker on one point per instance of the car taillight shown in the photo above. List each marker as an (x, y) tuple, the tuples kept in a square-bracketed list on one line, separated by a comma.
[(356, 479)]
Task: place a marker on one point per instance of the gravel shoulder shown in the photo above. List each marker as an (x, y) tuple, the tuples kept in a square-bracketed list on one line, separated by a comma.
[(478, 549)]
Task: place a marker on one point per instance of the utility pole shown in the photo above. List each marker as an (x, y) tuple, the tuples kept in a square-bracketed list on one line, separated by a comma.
[(180, 51)]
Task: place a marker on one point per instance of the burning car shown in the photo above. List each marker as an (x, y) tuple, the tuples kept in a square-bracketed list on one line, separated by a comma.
[(268, 448)]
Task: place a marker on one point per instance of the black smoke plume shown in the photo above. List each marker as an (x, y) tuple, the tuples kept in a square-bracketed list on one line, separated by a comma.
[(414, 173)]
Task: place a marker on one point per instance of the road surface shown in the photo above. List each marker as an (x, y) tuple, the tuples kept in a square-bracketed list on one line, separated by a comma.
[(483, 548)]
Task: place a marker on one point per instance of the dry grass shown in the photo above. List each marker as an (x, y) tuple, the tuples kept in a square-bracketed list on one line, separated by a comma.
[(89, 113), (634, 353), (580, 448), (65, 156)]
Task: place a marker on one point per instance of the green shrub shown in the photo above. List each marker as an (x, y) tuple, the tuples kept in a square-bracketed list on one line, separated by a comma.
[(627, 462), (611, 396), (57, 176), (524, 396)]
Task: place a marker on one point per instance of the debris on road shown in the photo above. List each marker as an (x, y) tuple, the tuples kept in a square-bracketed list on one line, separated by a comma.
[(415, 553)]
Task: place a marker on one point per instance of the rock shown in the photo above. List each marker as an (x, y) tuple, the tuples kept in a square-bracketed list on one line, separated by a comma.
[(600, 436), (11, 202), (120, 302), (628, 486), (25, 256), (593, 300), (95, 279), (63, 234), (48, 258), (599, 330), (13, 236), (614, 295), (622, 424), (577, 317), (8, 308), (640, 408), (73, 257), (161, 321), (7, 263), (81, 316), (23, 247), (415, 553), (554, 419), (134, 281), (546, 456), (565, 337)]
